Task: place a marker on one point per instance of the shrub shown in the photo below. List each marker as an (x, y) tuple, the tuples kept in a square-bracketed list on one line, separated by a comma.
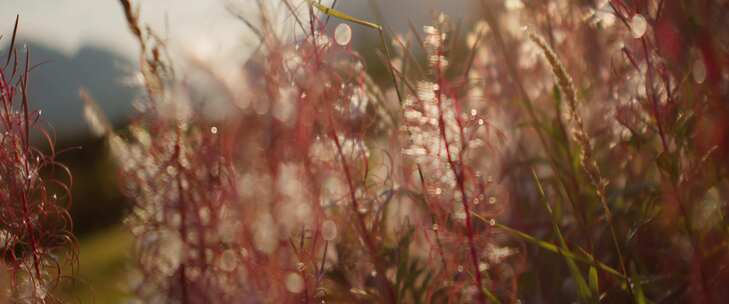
[(35, 228), (477, 173)]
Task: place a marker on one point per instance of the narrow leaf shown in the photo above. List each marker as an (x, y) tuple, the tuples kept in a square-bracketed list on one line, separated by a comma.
[(593, 280), (582, 287), (338, 14)]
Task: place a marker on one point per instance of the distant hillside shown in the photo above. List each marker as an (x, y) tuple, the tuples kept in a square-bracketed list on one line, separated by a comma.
[(56, 80), (397, 14)]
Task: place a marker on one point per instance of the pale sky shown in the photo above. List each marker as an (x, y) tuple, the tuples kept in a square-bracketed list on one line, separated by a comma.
[(200, 28)]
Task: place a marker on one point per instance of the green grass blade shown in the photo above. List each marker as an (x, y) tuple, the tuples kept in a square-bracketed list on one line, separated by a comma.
[(555, 249), (583, 289), (638, 293), (338, 14), (491, 296), (593, 280)]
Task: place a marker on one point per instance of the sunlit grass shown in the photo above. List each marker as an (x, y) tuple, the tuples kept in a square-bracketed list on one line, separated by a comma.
[(103, 261)]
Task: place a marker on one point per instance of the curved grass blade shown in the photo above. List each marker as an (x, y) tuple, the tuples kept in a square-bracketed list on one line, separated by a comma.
[(340, 15), (584, 290), (554, 248)]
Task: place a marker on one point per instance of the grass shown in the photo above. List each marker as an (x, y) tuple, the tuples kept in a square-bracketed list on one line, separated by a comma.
[(103, 268), (515, 171)]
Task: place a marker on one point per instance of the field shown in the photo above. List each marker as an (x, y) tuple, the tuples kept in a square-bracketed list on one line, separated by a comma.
[(531, 152)]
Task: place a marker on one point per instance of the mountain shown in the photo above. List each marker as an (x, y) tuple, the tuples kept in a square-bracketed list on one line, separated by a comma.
[(56, 78)]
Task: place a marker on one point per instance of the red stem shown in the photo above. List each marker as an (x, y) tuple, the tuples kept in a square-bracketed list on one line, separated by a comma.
[(460, 180), (391, 298), (183, 220)]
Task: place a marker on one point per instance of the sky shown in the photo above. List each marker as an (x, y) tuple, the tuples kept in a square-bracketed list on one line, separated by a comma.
[(87, 31), (201, 29), (200, 26)]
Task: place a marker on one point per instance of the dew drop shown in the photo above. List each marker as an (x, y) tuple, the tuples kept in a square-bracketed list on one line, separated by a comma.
[(204, 214), (228, 260), (638, 26), (321, 292), (294, 283), (483, 266), (492, 222), (343, 34), (192, 273), (460, 268), (698, 71), (513, 5), (492, 200), (214, 130), (329, 230), (480, 122), (170, 249), (358, 291), (435, 227), (642, 91), (474, 112)]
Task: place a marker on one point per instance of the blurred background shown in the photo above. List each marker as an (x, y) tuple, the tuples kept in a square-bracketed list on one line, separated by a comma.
[(86, 44)]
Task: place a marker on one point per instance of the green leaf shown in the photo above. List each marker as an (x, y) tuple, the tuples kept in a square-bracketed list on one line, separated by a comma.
[(338, 14), (491, 296), (557, 95), (583, 289), (593, 280), (555, 249), (638, 293), (667, 165)]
